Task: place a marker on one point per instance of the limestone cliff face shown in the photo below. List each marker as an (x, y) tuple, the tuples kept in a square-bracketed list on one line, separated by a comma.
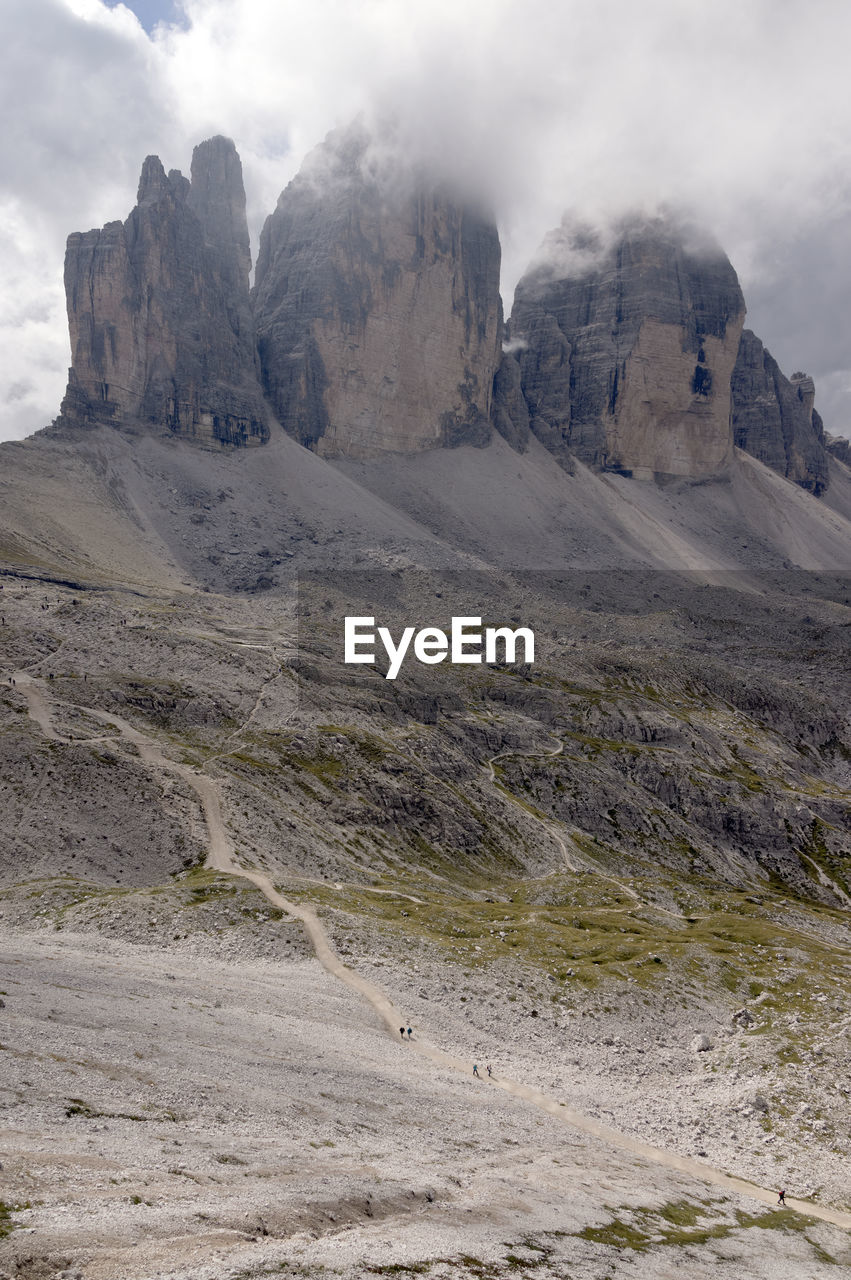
[(774, 418), (377, 308), (626, 351), (158, 309)]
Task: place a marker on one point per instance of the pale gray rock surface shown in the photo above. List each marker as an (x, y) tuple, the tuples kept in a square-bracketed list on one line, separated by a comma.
[(377, 307), (134, 1150)]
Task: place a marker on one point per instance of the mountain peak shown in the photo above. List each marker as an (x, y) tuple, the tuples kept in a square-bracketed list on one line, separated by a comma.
[(626, 342), (377, 306), (153, 182), (161, 330)]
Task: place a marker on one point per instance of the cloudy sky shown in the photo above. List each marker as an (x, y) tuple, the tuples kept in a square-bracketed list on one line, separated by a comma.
[(738, 111)]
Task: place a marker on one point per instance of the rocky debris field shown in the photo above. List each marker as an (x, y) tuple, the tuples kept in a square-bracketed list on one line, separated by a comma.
[(166, 1113), (680, 1065), (620, 882)]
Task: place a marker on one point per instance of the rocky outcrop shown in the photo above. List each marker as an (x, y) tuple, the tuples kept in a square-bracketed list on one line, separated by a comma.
[(774, 418), (626, 349), (377, 307), (839, 447), (509, 410), (158, 309)]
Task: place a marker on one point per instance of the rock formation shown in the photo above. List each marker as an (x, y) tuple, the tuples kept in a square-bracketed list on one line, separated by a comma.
[(158, 309), (509, 410), (839, 447), (626, 349), (774, 418), (375, 327), (377, 307)]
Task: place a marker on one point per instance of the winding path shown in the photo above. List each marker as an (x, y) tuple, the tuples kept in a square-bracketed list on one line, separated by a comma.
[(552, 826), (220, 858)]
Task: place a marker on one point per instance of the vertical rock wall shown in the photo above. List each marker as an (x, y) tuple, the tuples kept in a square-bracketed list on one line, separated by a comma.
[(158, 309), (375, 326), (377, 308), (774, 418), (626, 350)]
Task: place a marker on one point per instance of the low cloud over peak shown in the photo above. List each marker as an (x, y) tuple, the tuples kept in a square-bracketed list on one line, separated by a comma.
[(739, 113)]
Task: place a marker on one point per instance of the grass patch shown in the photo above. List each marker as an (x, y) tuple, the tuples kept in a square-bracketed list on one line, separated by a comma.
[(583, 931), (6, 1211), (400, 1269), (678, 1225), (618, 1235)]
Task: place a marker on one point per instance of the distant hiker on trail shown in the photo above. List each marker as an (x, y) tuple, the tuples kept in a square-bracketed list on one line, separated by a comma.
[(781, 1199), (410, 1033), (402, 1032), (476, 1070), (490, 1073)]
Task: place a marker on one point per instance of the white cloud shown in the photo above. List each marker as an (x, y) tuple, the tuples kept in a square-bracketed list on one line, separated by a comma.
[(80, 108), (739, 111)]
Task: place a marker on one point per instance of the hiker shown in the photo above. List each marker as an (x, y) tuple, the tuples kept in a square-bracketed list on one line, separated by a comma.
[(410, 1033), (781, 1199), (476, 1070), (490, 1073), (402, 1032)]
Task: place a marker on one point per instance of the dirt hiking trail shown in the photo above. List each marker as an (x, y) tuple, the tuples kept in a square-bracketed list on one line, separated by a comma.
[(40, 703)]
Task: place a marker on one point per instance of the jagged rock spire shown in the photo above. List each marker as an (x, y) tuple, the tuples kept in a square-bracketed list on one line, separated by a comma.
[(774, 418), (158, 309)]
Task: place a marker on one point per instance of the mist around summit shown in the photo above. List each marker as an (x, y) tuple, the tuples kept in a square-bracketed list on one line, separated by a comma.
[(738, 116)]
